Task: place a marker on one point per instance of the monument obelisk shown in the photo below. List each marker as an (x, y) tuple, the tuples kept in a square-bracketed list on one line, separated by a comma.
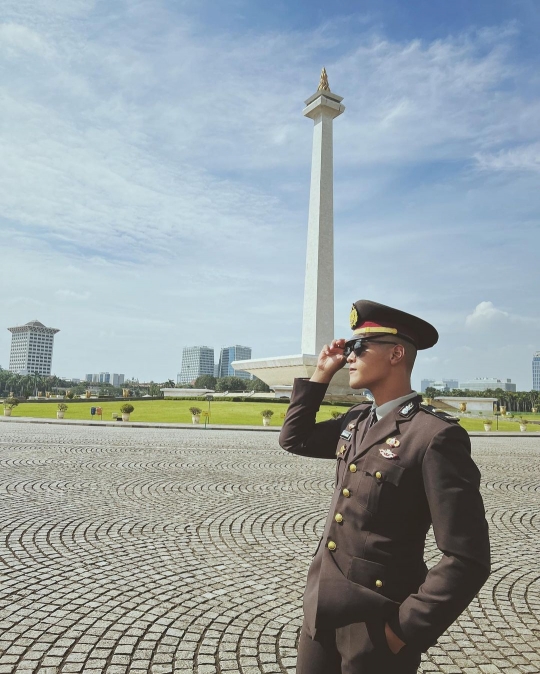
[(318, 315), (318, 318)]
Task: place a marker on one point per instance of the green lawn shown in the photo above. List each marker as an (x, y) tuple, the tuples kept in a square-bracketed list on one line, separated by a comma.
[(222, 412), (510, 425), (171, 411)]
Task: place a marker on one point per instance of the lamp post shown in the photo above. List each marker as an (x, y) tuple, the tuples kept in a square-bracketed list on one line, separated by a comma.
[(209, 398)]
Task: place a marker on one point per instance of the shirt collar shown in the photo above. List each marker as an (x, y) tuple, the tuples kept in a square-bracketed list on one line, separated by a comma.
[(382, 410)]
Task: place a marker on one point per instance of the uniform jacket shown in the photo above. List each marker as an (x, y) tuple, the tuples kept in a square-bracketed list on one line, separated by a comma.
[(369, 563)]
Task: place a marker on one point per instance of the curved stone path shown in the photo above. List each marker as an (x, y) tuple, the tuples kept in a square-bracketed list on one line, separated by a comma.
[(164, 551)]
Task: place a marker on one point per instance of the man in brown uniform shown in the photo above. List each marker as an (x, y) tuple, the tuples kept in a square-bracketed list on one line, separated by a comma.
[(370, 604)]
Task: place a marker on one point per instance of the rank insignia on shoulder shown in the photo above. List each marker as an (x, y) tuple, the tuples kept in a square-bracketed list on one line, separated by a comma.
[(346, 434), (405, 411), (388, 453), (393, 442), (440, 414), (351, 426)]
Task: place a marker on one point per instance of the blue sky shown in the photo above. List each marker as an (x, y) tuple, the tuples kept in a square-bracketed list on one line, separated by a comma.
[(155, 175)]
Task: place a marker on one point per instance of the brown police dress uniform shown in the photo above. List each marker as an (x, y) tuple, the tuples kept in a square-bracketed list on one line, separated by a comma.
[(394, 479)]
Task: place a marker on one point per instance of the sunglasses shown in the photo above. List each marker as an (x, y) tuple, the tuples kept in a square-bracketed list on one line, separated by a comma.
[(358, 346)]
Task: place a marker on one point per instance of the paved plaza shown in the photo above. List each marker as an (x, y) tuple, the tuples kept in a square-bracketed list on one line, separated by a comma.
[(155, 550)]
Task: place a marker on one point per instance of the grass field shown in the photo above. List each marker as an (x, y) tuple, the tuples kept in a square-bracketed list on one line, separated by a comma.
[(221, 412)]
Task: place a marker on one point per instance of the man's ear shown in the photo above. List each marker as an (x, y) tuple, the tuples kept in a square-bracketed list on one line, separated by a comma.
[(398, 354)]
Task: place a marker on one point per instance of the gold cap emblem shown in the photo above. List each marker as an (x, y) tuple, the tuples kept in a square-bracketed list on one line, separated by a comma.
[(353, 317)]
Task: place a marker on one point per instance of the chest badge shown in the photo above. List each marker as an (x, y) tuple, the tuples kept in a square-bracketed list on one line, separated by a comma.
[(388, 453), (393, 442)]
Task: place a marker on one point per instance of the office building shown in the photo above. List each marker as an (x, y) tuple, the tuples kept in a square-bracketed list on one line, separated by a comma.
[(228, 355), (484, 384), (536, 371), (439, 384), (31, 348), (196, 360), (105, 378)]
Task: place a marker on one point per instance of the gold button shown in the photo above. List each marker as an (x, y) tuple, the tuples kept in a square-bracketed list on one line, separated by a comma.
[(331, 545), (352, 468), (346, 493), (378, 475), (379, 583), (338, 517)]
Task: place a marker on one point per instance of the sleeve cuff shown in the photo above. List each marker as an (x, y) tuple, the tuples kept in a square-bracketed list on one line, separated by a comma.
[(314, 390)]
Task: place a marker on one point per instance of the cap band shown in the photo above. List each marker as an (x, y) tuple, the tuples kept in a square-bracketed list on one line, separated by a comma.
[(362, 331)]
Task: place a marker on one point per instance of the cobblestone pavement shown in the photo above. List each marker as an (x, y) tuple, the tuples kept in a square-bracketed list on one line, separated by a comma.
[(160, 551)]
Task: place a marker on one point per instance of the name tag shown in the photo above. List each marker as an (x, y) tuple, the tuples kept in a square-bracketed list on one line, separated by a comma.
[(346, 434)]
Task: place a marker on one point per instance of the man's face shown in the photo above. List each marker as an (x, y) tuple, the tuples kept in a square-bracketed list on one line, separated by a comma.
[(372, 365)]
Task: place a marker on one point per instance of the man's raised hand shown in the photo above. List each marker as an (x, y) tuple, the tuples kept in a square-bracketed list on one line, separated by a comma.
[(331, 359)]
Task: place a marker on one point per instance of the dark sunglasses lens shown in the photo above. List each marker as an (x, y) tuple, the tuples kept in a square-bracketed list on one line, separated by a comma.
[(356, 345)]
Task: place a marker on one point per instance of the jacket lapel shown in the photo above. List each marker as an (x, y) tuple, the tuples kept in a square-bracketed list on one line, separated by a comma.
[(385, 428)]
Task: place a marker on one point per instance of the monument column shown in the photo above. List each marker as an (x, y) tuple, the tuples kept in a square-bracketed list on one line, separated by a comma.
[(318, 317)]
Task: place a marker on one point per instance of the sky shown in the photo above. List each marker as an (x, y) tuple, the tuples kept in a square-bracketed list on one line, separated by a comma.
[(154, 181)]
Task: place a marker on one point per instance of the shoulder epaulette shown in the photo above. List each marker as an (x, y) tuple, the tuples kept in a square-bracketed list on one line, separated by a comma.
[(440, 414)]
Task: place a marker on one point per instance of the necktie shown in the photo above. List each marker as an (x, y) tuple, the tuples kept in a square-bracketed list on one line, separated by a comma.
[(371, 421)]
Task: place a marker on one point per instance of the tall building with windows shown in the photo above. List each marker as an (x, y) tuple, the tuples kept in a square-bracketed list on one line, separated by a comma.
[(536, 371), (196, 360), (31, 348), (105, 378), (228, 355)]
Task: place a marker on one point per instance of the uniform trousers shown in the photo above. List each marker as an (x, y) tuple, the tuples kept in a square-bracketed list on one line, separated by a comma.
[(360, 648)]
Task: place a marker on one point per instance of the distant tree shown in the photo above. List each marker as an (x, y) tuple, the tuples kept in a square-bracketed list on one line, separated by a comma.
[(257, 384), (431, 392), (206, 381), (154, 391), (232, 384)]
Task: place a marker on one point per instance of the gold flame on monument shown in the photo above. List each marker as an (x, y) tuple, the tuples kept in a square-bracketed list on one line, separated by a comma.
[(323, 84)]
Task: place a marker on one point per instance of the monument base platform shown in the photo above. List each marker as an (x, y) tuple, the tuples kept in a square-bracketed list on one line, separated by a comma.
[(279, 374)]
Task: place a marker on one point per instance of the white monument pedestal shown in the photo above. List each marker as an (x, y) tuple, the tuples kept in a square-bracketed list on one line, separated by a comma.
[(279, 373)]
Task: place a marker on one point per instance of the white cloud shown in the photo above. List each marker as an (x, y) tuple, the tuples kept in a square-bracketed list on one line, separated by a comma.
[(71, 295), (525, 158), (16, 39), (483, 314)]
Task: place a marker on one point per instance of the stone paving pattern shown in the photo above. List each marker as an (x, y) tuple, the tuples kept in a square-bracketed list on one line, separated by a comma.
[(162, 551)]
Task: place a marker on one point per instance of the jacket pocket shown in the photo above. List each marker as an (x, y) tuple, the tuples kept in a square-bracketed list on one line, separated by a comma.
[(368, 574), (395, 581), (380, 475)]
